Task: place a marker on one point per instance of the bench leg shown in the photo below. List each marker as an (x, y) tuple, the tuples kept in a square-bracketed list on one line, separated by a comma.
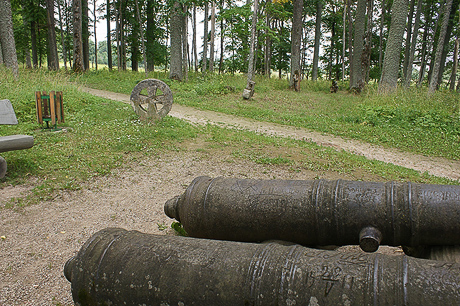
[(2, 167)]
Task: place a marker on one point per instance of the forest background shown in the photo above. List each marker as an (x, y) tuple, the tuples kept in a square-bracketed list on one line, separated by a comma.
[(415, 42)]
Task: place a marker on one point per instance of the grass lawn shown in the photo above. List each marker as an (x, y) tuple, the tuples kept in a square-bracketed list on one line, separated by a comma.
[(100, 135)]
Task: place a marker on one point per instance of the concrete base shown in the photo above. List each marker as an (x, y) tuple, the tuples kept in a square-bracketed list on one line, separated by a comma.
[(16, 142)]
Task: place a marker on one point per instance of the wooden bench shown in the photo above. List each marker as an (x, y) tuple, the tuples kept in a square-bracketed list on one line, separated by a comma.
[(12, 142)]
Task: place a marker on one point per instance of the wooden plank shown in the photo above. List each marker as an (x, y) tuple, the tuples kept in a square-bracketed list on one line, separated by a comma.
[(62, 106), (38, 106), (52, 108), (46, 105), (57, 102), (59, 107)]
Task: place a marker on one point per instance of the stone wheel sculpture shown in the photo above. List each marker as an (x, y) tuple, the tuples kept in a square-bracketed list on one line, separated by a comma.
[(151, 99)]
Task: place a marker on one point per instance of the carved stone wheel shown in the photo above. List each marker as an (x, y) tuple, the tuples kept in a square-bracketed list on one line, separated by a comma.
[(151, 99)]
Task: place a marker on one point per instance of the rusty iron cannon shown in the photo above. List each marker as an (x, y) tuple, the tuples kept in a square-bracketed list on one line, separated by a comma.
[(119, 267), (320, 212)]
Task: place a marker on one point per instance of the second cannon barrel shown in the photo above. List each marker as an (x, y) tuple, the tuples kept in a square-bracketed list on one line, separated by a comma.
[(320, 212)]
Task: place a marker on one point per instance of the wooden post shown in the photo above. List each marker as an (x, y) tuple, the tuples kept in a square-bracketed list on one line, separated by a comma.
[(59, 107), (38, 105), (52, 108)]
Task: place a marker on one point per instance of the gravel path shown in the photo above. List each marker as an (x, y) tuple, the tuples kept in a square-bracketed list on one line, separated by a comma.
[(433, 165), (40, 238)]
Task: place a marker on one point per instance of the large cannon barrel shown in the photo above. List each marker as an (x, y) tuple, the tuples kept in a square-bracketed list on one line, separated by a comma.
[(119, 267), (320, 212)]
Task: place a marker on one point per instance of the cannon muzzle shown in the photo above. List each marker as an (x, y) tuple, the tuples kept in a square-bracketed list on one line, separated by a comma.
[(320, 212)]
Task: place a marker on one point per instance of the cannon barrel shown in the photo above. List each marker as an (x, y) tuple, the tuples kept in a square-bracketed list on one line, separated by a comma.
[(119, 267), (320, 212)]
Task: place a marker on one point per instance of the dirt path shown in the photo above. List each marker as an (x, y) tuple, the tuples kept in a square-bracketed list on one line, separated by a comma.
[(433, 165)]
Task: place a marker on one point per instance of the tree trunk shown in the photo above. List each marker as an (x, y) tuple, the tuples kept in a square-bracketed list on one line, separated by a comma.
[(109, 38), (445, 51), (319, 9), (296, 39), (408, 41), (453, 76), (366, 57), (1, 55), (185, 42), (356, 78), (382, 21), (427, 16), (331, 53), (222, 36), (117, 37), (344, 22), (252, 44), (268, 42), (350, 38), (150, 35), (78, 65), (53, 63), (413, 44), (213, 33), (391, 62), (95, 36), (439, 49), (141, 29), (26, 48), (433, 41), (195, 51), (134, 49), (33, 43), (8, 46), (64, 52), (205, 38), (122, 37), (175, 70), (85, 32)]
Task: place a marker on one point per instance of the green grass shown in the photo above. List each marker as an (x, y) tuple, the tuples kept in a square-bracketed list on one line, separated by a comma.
[(100, 135), (410, 120)]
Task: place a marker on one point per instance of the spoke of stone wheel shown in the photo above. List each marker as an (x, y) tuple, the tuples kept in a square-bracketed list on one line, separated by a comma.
[(152, 92), (161, 99), (143, 99)]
